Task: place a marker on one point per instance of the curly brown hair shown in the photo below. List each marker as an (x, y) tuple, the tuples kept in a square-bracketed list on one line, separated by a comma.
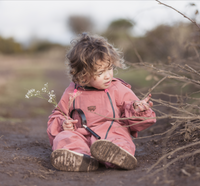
[(84, 54)]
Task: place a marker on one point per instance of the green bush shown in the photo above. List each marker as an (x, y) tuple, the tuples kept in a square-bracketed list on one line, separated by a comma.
[(9, 46)]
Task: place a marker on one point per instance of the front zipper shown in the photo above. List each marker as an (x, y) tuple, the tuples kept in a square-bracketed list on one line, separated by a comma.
[(112, 110), (113, 114)]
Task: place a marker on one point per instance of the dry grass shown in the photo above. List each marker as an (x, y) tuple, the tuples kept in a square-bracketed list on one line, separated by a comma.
[(18, 73)]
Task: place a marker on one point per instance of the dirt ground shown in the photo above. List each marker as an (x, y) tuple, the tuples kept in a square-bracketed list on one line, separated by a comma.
[(25, 149)]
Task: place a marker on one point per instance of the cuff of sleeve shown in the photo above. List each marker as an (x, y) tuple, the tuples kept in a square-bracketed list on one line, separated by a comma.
[(134, 134)]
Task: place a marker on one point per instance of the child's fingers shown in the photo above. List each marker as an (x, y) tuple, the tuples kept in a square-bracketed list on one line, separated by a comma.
[(140, 107), (68, 128), (150, 103), (69, 124), (147, 98), (144, 106), (136, 103), (74, 121)]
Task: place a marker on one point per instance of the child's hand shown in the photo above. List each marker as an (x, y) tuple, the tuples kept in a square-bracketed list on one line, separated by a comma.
[(69, 124), (143, 105)]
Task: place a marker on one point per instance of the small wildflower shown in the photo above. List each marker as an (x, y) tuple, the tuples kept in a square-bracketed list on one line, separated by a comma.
[(30, 93), (72, 96), (50, 96), (44, 89), (37, 93)]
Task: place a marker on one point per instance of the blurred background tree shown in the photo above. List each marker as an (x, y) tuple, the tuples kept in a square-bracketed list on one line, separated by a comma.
[(163, 43), (118, 33), (79, 24), (38, 45), (9, 46)]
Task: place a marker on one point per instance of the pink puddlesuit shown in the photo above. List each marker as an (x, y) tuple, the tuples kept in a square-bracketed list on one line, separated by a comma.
[(116, 101)]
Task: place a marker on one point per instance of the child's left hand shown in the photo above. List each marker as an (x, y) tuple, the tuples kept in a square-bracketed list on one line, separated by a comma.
[(143, 105)]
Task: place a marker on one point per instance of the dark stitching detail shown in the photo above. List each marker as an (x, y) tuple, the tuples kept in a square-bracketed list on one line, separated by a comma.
[(74, 99), (113, 115)]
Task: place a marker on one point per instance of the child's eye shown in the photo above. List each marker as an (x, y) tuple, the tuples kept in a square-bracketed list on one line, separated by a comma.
[(110, 68), (100, 73)]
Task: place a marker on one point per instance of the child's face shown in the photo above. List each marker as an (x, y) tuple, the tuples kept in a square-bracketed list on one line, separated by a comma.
[(102, 78)]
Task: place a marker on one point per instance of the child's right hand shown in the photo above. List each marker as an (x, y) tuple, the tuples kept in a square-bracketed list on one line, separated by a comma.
[(69, 124), (143, 105)]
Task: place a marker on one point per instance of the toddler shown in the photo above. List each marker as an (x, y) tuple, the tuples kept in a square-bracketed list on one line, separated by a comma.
[(104, 101)]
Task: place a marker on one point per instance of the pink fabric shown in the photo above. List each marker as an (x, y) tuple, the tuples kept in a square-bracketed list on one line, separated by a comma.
[(80, 140)]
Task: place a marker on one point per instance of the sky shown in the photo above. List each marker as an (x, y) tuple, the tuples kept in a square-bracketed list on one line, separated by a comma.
[(26, 20)]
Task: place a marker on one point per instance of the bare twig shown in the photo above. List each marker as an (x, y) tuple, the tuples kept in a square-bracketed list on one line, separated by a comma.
[(171, 162), (150, 90), (172, 95), (196, 51), (193, 116), (134, 48), (160, 134), (194, 22), (171, 75), (193, 70), (168, 105)]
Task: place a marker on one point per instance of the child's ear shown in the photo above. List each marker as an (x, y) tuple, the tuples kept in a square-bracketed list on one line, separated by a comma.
[(85, 79)]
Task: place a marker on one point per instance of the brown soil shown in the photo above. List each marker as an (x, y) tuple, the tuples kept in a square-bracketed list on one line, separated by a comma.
[(25, 150)]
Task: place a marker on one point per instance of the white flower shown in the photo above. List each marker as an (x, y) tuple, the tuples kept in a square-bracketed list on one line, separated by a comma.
[(52, 95), (30, 93), (44, 89), (32, 90), (46, 85), (37, 93), (44, 94), (40, 94)]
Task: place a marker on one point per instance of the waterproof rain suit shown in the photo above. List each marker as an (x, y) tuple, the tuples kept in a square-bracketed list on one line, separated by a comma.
[(116, 101)]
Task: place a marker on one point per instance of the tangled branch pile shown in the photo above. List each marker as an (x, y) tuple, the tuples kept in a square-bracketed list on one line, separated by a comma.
[(177, 101)]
